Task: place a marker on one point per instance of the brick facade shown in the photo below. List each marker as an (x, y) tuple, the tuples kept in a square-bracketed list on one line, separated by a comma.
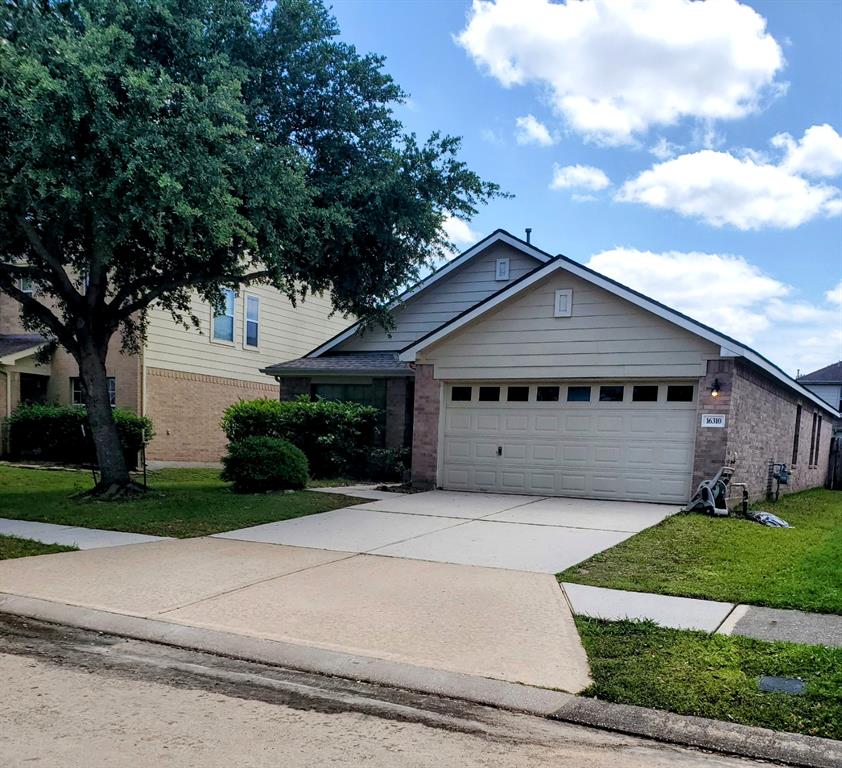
[(762, 429), (425, 431), (711, 449), (186, 408)]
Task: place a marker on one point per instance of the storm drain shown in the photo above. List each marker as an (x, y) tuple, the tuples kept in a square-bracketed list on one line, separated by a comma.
[(771, 684)]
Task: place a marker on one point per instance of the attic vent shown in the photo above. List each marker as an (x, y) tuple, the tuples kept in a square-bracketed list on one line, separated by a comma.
[(502, 272), (563, 303)]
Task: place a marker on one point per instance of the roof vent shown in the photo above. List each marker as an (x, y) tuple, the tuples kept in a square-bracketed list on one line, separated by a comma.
[(528, 235)]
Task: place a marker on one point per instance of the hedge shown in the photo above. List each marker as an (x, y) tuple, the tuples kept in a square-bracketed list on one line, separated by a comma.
[(264, 464), (336, 437), (55, 433)]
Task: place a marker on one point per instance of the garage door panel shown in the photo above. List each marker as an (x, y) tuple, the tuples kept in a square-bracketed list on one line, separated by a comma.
[(627, 450)]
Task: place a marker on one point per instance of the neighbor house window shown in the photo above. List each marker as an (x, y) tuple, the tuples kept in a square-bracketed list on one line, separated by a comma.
[(223, 325), (25, 284), (77, 398), (252, 323)]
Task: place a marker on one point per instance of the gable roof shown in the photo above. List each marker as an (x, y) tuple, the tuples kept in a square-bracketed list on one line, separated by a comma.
[(729, 347), (498, 236), (830, 374), (15, 346)]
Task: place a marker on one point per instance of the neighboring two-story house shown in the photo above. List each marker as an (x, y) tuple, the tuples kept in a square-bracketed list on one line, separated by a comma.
[(184, 378), (826, 383), (510, 370)]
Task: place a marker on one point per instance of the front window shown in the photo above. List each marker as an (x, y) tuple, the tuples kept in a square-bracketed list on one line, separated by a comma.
[(252, 326), (77, 396), (223, 324)]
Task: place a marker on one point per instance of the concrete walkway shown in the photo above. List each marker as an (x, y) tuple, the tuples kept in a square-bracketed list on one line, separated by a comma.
[(770, 624), (71, 536), (478, 622)]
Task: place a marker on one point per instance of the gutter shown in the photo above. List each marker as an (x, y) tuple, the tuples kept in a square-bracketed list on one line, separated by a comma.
[(379, 372)]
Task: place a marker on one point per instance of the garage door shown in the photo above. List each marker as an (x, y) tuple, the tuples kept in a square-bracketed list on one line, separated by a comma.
[(611, 440)]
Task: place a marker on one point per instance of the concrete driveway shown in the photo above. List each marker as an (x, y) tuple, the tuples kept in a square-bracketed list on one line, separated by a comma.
[(521, 533)]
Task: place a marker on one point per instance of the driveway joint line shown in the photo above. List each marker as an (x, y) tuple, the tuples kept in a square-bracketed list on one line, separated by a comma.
[(348, 556), (418, 536)]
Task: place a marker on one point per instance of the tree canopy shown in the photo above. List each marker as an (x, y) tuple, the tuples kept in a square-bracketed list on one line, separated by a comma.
[(150, 148), (154, 147)]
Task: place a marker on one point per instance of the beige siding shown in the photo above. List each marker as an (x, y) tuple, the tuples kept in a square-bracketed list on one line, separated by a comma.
[(286, 332), (606, 337), (448, 297)]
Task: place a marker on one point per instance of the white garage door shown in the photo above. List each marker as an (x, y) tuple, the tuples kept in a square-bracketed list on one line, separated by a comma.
[(614, 440)]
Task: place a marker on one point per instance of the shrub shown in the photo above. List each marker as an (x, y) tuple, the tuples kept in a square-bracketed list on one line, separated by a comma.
[(388, 463), (264, 464), (336, 437), (61, 433)]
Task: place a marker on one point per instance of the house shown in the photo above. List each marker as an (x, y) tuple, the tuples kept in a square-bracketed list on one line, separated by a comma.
[(826, 383), (183, 378), (513, 371)]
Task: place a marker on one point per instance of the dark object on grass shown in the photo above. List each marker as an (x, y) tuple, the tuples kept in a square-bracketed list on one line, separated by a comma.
[(711, 495), (772, 684), (767, 518), (264, 464)]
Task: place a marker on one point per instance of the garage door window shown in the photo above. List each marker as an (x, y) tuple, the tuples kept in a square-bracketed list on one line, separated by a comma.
[(680, 393), (460, 394), (517, 394), (547, 394), (489, 394), (645, 393), (611, 394), (578, 394)]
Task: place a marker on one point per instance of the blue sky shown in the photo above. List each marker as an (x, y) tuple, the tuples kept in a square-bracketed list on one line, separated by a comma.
[(689, 150)]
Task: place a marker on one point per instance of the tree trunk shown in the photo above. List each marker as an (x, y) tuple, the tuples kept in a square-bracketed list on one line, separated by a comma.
[(114, 473)]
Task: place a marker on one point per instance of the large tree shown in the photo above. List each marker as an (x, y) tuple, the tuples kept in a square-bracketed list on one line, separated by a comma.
[(153, 148)]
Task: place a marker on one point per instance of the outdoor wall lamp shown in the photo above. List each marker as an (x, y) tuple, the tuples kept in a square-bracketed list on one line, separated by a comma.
[(715, 389)]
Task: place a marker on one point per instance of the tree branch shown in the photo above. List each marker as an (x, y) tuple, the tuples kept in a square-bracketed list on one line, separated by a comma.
[(40, 311), (64, 282)]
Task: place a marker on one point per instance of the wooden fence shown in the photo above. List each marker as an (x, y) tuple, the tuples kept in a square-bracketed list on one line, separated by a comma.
[(834, 471)]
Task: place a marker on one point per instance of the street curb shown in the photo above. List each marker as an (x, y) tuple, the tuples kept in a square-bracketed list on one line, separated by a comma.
[(479, 690), (713, 735)]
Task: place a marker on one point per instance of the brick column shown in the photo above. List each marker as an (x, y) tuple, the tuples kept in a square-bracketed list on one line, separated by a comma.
[(712, 443), (425, 433)]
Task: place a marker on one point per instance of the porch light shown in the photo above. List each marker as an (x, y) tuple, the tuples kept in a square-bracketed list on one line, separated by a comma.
[(715, 389)]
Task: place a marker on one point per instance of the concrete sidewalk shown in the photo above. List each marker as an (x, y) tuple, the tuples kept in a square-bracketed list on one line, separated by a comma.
[(71, 535), (706, 615), (478, 622)]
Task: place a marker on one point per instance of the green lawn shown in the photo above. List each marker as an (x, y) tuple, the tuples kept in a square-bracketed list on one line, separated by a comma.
[(714, 676), (183, 503), (11, 547), (734, 560)]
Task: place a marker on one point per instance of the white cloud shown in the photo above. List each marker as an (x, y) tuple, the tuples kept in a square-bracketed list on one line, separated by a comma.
[(664, 150), (577, 198), (579, 177), (817, 153), (459, 232), (834, 295), (490, 136), (530, 130), (614, 69), (735, 297), (721, 189)]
